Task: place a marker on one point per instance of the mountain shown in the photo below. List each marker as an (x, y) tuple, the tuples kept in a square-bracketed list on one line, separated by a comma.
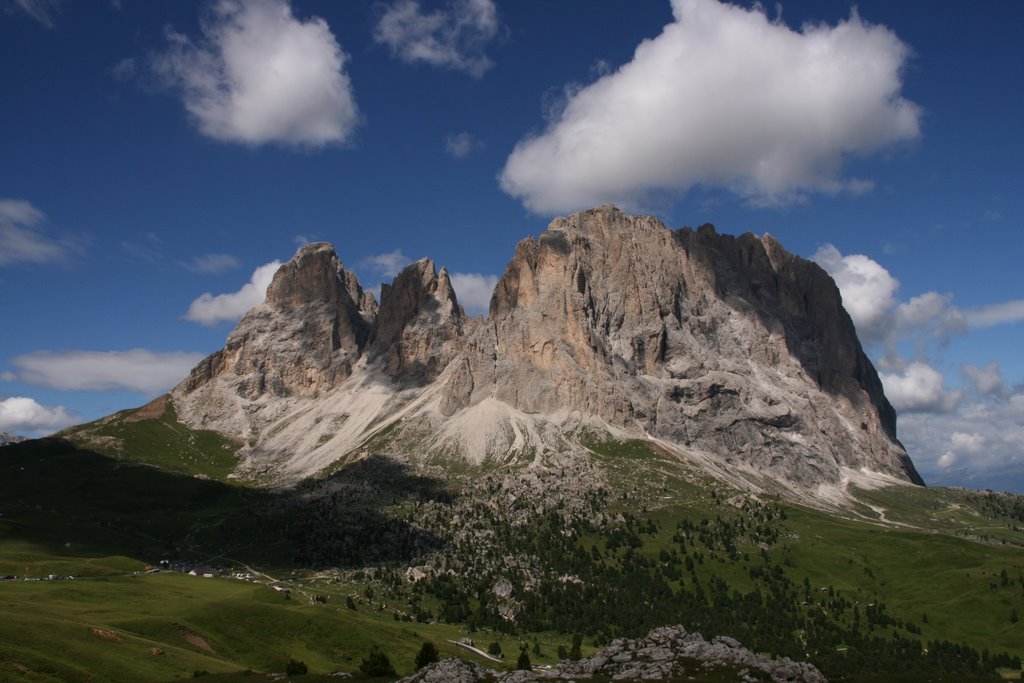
[(6, 438), (651, 427), (727, 352)]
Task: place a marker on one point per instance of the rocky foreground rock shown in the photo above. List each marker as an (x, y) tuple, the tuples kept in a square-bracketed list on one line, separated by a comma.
[(726, 351), (667, 653)]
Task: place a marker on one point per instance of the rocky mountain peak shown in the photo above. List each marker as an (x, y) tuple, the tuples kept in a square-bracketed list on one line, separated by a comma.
[(723, 349), (418, 320), (313, 325), (311, 276)]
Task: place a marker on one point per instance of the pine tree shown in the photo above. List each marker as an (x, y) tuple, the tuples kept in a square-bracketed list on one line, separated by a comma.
[(377, 664), (428, 654), (574, 652)]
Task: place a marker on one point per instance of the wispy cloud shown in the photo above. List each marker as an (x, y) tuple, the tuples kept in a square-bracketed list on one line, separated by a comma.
[(260, 75), (210, 309), (145, 247), (987, 381), (149, 372), (24, 416), (125, 69), (460, 145), (388, 264), (300, 240), (43, 11), (452, 38), (23, 241), (996, 314), (723, 97), (212, 263)]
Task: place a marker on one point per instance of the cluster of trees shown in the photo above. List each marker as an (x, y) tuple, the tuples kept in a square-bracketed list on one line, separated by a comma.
[(1001, 505), (637, 582), (576, 569)]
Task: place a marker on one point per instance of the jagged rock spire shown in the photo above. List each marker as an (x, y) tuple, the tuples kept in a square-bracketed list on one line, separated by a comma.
[(728, 348)]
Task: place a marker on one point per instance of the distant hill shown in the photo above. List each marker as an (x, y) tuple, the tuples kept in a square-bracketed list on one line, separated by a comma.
[(6, 438)]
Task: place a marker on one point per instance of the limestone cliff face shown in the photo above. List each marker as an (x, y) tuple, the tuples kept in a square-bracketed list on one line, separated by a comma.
[(302, 341), (728, 345), (721, 347), (419, 324)]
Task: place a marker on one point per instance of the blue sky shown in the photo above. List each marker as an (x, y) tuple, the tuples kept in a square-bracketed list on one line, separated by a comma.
[(154, 153)]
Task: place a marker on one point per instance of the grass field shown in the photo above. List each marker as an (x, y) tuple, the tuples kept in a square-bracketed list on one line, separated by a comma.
[(948, 562), (158, 627)]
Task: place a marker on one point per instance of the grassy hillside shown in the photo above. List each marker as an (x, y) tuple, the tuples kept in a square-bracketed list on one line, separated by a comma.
[(165, 626), (153, 435), (599, 547)]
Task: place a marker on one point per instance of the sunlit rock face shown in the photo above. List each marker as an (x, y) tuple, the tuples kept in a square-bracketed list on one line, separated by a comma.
[(725, 347)]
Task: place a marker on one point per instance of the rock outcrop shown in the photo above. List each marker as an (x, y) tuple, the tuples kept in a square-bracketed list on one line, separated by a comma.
[(666, 653), (723, 349), (419, 325), (304, 338), (6, 438)]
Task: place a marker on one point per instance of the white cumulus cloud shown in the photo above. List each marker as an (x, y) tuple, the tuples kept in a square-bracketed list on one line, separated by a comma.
[(21, 240), (981, 444), (930, 314), (23, 415), (473, 291), (260, 75), (869, 296), (867, 288), (142, 370), (919, 388), (454, 37), (726, 97), (969, 436), (210, 309)]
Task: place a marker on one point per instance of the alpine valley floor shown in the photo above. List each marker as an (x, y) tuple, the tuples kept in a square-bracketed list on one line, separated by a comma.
[(896, 582)]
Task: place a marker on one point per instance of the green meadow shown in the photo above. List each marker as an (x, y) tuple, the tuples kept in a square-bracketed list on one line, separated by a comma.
[(913, 564)]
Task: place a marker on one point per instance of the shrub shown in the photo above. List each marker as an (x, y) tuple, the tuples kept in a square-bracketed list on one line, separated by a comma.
[(296, 668), (428, 654), (377, 664), (574, 653)]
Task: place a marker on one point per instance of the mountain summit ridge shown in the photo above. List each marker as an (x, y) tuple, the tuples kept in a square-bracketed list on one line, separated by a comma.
[(727, 351)]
